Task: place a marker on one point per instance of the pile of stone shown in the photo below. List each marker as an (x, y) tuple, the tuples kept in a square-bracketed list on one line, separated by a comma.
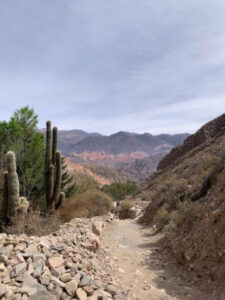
[(63, 265)]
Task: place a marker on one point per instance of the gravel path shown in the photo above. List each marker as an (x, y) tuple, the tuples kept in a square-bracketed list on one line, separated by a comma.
[(136, 263)]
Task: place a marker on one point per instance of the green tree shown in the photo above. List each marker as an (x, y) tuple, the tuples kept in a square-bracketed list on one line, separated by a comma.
[(68, 185), (21, 136)]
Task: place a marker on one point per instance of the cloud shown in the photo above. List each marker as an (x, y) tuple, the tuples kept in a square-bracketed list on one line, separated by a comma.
[(146, 66)]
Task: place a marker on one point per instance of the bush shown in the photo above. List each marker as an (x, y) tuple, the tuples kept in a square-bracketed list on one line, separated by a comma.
[(162, 218), (90, 203), (119, 190), (172, 220), (83, 182)]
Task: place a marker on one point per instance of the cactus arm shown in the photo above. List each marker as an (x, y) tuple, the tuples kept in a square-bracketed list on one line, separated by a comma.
[(50, 185), (58, 179), (48, 152), (60, 201), (54, 144)]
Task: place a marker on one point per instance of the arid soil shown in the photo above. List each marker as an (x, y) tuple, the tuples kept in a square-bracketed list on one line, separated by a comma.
[(132, 254)]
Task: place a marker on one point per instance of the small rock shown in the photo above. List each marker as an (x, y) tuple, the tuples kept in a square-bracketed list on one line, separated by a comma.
[(58, 282), (112, 289), (86, 280), (81, 294), (45, 280), (43, 295), (89, 290), (30, 251), (2, 267), (20, 268), (55, 261), (3, 258), (45, 243), (65, 277), (97, 227), (6, 250), (3, 289), (71, 287)]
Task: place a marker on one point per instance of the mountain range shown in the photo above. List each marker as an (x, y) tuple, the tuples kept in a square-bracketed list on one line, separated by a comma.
[(131, 154)]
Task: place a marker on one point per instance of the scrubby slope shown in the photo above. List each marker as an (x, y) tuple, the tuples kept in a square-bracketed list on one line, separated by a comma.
[(187, 201)]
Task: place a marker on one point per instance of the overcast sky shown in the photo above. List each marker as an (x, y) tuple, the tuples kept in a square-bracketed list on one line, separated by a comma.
[(153, 66)]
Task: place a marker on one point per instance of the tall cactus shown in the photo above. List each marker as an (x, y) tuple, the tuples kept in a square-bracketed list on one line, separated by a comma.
[(13, 184), (53, 169), (13, 203)]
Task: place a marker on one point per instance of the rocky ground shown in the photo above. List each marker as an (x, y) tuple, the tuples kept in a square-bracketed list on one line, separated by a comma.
[(102, 258), (64, 265)]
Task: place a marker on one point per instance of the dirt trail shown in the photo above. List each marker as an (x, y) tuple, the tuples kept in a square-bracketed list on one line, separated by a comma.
[(136, 264)]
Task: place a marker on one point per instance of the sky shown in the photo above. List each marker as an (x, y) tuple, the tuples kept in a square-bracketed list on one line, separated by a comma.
[(154, 66)]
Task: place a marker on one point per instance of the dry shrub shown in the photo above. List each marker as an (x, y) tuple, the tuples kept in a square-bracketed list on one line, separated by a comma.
[(161, 219), (34, 224), (89, 204), (166, 196), (83, 182), (124, 207), (171, 220)]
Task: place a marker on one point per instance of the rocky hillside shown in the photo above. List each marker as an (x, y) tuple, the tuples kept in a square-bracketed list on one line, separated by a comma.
[(102, 175), (187, 202), (133, 155)]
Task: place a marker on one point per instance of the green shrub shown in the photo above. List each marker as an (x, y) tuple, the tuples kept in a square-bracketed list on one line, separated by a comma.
[(162, 218), (119, 190)]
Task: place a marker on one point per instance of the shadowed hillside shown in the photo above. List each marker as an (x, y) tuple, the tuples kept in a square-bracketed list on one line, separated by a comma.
[(187, 202)]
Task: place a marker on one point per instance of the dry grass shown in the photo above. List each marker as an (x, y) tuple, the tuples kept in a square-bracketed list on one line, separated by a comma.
[(90, 203), (33, 224)]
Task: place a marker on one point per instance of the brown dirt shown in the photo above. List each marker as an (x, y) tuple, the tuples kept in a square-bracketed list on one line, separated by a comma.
[(137, 264)]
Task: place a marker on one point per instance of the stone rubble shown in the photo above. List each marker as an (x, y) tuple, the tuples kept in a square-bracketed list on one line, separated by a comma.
[(60, 266)]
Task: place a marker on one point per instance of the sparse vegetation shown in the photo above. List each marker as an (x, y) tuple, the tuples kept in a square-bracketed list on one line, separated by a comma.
[(88, 204), (34, 224)]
